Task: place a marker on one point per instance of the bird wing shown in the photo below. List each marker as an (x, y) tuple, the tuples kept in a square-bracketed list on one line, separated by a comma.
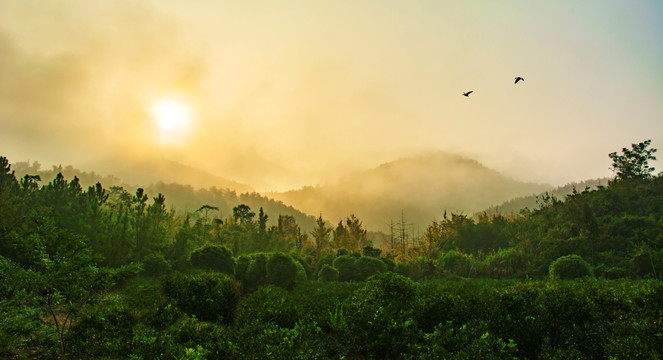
[(469, 92)]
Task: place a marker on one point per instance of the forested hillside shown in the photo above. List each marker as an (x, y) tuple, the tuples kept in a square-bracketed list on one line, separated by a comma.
[(182, 197), (104, 273), (518, 204)]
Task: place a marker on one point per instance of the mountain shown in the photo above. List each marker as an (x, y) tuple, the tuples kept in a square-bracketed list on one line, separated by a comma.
[(420, 188), (146, 171)]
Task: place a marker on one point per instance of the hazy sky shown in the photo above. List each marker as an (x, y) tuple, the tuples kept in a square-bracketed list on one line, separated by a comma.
[(279, 94)]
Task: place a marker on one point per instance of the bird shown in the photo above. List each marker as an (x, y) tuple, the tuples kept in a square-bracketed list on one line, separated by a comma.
[(467, 93), (518, 78)]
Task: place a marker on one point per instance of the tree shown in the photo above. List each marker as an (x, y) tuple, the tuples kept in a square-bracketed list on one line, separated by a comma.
[(63, 271), (261, 241), (358, 234), (288, 234), (634, 163), (243, 214), (341, 236), (205, 209), (320, 236)]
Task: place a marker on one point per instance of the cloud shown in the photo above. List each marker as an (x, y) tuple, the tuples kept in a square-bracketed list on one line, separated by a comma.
[(77, 84)]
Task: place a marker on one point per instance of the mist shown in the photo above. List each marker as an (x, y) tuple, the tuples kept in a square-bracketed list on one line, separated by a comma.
[(297, 94)]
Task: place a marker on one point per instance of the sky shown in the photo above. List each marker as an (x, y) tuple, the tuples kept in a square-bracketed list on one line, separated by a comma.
[(281, 94)]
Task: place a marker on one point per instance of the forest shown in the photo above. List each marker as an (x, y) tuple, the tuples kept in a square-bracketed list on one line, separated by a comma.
[(102, 273)]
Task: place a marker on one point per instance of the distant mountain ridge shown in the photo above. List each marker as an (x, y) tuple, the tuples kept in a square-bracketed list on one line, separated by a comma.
[(146, 171), (419, 187)]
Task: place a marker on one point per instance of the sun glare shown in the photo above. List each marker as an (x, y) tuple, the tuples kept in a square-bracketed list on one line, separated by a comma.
[(172, 119)]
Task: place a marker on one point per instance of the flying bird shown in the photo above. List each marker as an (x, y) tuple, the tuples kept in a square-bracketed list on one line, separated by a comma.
[(518, 79), (467, 93)]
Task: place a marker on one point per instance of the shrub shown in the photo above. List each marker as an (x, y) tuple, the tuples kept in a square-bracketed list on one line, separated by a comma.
[(241, 267), (306, 266), (367, 266), (389, 262), (417, 269), (326, 259), (156, 264), (209, 296), (371, 251), (380, 317), (284, 271), (345, 265), (569, 267), (214, 257), (251, 271), (268, 304), (256, 274), (105, 330), (457, 263), (328, 273)]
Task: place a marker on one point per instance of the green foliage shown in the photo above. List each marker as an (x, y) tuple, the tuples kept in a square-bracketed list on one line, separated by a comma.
[(345, 264), (284, 271), (208, 296), (570, 267), (252, 271), (367, 266), (104, 330), (371, 251), (268, 304), (418, 269), (380, 317), (328, 273), (468, 341), (634, 162), (23, 333), (62, 247), (326, 259), (457, 263), (155, 265), (214, 257)]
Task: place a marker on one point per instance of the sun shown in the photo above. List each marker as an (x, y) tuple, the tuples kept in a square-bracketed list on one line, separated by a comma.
[(172, 119)]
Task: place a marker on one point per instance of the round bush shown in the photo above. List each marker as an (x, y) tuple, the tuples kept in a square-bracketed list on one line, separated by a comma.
[(256, 274), (209, 296), (345, 265), (326, 259), (284, 271), (214, 257), (569, 267), (328, 273), (380, 316), (367, 266)]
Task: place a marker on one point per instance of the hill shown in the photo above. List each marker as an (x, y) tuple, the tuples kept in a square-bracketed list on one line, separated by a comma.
[(514, 206), (183, 197), (146, 171), (420, 187)]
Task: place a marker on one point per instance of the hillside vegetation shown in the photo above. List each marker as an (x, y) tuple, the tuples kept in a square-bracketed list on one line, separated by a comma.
[(103, 273)]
